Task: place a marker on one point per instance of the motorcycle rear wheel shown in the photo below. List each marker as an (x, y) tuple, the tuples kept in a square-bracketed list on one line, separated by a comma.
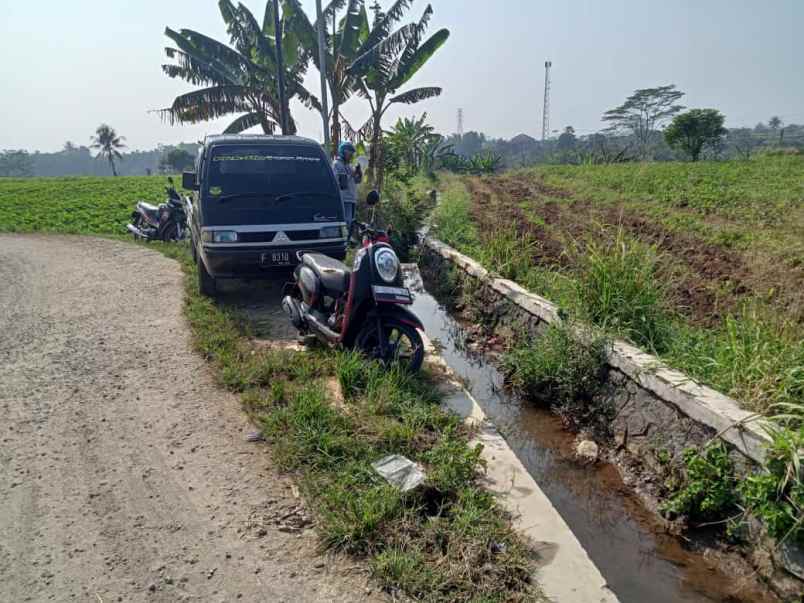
[(169, 232), (405, 347)]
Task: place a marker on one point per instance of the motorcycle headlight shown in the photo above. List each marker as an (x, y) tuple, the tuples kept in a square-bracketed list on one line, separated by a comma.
[(224, 236), (387, 264), (333, 232)]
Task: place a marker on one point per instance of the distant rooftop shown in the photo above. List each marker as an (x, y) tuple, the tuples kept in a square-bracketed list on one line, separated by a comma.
[(523, 139)]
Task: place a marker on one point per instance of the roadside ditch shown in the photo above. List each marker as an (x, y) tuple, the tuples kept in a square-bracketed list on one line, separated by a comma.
[(652, 417)]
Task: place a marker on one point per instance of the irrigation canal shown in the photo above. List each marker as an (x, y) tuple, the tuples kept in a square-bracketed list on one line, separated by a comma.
[(638, 558)]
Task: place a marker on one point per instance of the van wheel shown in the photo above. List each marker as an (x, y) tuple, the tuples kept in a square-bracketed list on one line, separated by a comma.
[(206, 283)]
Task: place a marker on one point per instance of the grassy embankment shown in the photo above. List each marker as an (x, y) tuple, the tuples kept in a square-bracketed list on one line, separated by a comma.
[(702, 264), (445, 541)]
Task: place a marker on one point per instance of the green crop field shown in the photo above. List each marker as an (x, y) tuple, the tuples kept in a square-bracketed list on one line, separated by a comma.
[(701, 263), (74, 205)]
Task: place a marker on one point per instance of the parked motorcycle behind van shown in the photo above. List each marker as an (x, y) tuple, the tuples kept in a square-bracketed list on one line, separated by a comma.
[(362, 308), (167, 222)]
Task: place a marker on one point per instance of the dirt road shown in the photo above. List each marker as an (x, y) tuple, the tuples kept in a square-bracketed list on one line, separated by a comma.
[(124, 470)]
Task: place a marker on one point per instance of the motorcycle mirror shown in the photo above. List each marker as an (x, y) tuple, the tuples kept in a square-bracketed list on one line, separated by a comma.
[(188, 181), (372, 198), (170, 180)]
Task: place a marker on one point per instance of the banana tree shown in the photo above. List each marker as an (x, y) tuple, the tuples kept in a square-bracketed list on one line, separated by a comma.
[(410, 139), (387, 67), (241, 79), (351, 38)]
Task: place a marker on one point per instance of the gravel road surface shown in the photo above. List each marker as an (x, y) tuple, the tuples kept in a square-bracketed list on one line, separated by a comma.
[(124, 470)]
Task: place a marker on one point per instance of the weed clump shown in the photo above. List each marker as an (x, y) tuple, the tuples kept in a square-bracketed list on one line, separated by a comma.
[(563, 368), (709, 492), (751, 357), (712, 493), (619, 290)]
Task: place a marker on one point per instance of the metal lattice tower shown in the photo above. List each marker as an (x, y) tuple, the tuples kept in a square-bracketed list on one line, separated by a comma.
[(546, 112), (460, 123)]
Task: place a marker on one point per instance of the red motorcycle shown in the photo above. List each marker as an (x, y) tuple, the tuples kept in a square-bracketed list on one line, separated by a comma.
[(363, 308)]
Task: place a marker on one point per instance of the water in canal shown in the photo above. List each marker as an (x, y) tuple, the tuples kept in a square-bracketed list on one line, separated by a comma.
[(640, 562)]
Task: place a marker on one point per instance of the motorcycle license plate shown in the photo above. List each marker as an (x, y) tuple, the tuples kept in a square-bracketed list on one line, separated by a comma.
[(276, 258), (393, 295)]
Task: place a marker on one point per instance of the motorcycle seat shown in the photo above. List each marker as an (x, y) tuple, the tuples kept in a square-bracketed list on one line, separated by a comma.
[(334, 274), (147, 207)]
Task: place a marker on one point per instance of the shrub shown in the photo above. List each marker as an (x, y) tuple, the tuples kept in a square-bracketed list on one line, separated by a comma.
[(709, 492), (404, 207), (777, 496)]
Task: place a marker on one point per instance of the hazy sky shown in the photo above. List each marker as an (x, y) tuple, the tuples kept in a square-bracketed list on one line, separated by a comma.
[(65, 67)]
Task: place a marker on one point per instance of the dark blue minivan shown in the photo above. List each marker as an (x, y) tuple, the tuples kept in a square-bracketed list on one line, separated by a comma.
[(257, 201)]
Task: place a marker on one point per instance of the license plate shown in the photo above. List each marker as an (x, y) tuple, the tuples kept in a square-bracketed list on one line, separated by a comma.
[(394, 295), (276, 258)]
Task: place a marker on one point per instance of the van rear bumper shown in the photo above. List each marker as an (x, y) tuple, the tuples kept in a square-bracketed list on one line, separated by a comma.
[(248, 262)]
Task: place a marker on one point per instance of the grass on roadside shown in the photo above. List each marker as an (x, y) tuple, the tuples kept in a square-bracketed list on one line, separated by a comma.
[(445, 541)]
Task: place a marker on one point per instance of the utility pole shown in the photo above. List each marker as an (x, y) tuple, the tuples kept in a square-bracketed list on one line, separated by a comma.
[(280, 70), (546, 112), (322, 68), (460, 123)]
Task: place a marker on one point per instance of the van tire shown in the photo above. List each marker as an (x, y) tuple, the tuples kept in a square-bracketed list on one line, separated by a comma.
[(206, 283)]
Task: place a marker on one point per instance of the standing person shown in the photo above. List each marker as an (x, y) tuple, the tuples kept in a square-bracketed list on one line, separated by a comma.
[(348, 179)]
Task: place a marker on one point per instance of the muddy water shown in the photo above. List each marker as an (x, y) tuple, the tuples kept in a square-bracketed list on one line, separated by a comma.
[(638, 559)]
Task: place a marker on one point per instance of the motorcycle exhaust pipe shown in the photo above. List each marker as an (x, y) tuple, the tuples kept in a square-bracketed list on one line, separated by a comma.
[(136, 231), (151, 233), (322, 330)]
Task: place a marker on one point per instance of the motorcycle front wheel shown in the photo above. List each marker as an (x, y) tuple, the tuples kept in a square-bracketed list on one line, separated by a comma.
[(404, 346)]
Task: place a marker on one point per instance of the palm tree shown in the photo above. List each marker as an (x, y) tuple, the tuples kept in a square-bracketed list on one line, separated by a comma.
[(385, 68), (108, 142), (241, 79), (352, 38)]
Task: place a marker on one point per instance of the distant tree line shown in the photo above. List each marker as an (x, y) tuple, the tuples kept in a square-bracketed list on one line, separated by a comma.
[(75, 160), (615, 147)]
